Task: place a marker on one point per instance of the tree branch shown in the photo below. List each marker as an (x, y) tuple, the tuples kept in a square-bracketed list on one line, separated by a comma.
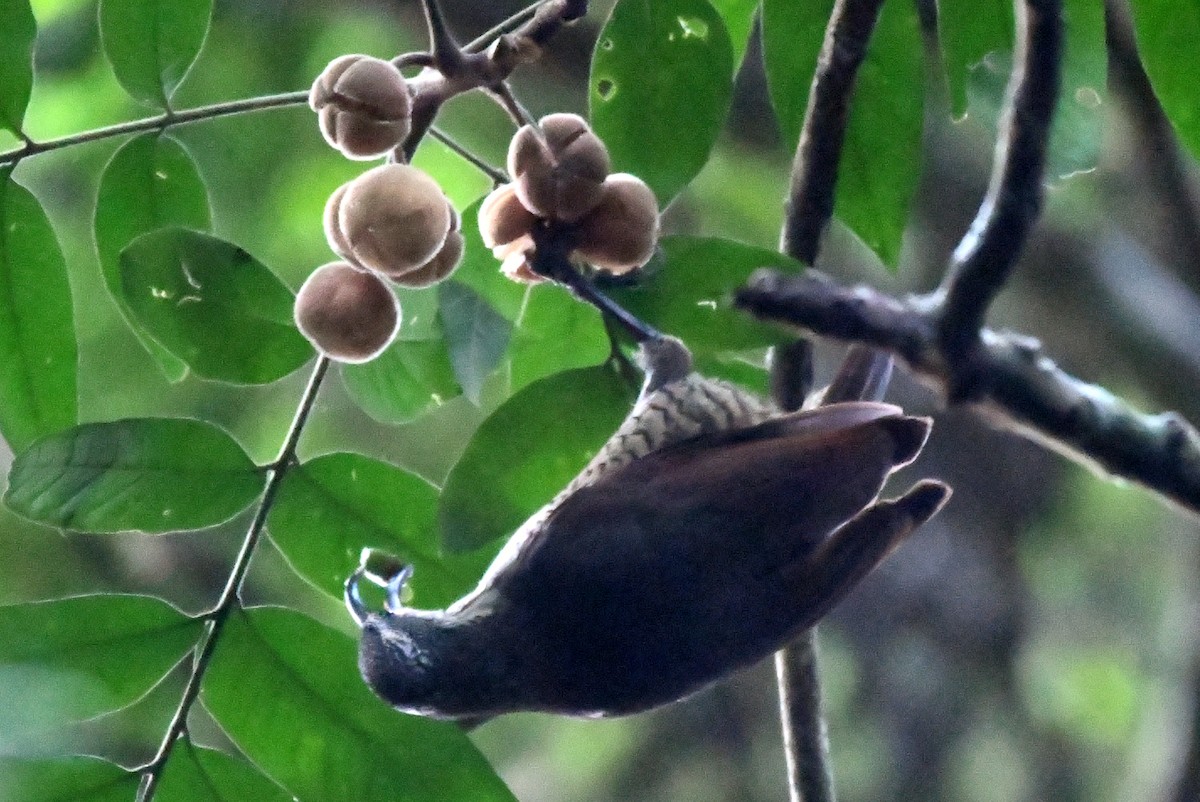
[(157, 122), (985, 257), (229, 601), (809, 208), (1012, 378)]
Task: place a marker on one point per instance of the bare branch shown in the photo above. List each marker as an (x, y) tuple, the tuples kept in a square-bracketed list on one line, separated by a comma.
[(1011, 377), (985, 257), (809, 209), (815, 168), (230, 601)]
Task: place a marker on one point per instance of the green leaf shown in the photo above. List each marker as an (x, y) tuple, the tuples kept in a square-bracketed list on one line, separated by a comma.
[(968, 31), (194, 774), (551, 330), (330, 508), (687, 291), (212, 305), (792, 35), (404, 382), (555, 333), (739, 20), (414, 374), (149, 474), (527, 451), (881, 157), (1077, 131), (477, 335), (151, 44), (150, 183), (38, 353), (1167, 32), (662, 77), (18, 29), (123, 644), (288, 692), (77, 778)]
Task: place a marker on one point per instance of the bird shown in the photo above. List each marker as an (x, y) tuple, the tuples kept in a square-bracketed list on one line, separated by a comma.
[(709, 532)]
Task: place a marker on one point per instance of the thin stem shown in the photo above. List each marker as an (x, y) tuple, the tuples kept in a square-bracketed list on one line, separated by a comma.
[(158, 122), (550, 260), (809, 208), (498, 176), (503, 94), (229, 599)]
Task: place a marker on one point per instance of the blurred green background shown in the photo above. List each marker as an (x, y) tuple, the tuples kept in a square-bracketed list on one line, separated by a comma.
[(1038, 640)]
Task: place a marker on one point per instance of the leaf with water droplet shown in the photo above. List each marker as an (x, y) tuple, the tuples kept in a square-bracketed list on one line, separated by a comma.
[(662, 129)]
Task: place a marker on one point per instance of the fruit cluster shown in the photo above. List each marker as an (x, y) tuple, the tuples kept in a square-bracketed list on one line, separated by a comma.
[(560, 171), (392, 223)]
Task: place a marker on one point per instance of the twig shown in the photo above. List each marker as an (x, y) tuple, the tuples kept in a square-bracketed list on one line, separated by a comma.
[(228, 602), (157, 122), (460, 70), (985, 257), (497, 175)]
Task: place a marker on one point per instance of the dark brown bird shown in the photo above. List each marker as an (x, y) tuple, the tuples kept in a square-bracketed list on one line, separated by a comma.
[(708, 533)]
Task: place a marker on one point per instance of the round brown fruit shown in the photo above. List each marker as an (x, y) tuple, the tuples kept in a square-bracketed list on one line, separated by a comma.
[(558, 167), (364, 106), (392, 219), (439, 267), (503, 218), (333, 234), (350, 315), (620, 233)]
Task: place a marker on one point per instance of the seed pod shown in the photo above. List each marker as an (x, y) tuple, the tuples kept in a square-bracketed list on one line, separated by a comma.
[(392, 219), (515, 262), (333, 233), (350, 315), (364, 106), (559, 169), (503, 218), (438, 268), (620, 233)]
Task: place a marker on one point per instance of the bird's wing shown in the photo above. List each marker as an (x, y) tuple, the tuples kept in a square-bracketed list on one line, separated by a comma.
[(749, 501)]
